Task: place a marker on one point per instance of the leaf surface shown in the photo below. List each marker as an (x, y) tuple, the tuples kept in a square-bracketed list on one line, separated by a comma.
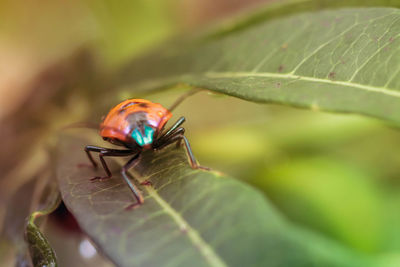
[(189, 217), (343, 60)]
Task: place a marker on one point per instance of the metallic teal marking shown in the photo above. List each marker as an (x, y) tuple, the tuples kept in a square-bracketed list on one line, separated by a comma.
[(145, 139)]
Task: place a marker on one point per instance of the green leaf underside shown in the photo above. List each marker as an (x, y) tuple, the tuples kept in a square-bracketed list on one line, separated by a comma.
[(189, 217), (344, 60), (290, 7)]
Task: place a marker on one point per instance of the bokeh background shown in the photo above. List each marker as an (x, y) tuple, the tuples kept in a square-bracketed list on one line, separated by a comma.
[(335, 175)]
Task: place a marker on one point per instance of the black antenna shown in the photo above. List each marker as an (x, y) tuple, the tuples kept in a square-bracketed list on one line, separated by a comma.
[(183, 97)]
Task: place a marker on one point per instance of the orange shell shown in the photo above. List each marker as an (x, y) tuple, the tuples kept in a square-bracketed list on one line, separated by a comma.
[(115, 125)]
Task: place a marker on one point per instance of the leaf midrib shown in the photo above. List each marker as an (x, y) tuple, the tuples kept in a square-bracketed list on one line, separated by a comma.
[(205, 249), (383, 90), (156, 83), (208, 253)]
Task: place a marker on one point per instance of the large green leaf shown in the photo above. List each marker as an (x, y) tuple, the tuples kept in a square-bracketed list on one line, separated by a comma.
[(282, 8), (189, 217), (344, 60)]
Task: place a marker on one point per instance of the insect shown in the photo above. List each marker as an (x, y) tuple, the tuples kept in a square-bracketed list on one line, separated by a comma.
[(138, 125)]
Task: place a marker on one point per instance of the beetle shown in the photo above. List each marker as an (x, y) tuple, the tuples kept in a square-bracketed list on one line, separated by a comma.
[(138, 125)]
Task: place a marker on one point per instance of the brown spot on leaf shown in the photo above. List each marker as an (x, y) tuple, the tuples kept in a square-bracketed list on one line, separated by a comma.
[(280, 69), (326, 24), (348, 36), (332, 75), (339, 19), (147, 183), (184, 229), (278, 85)]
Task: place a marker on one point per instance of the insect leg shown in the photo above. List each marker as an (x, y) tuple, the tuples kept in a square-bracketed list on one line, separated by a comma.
[(132, 187), (105, 167), (178, 137), (168, 139), (173, 127), (111, 153), (89, 149), (104, 152), (171, 132)]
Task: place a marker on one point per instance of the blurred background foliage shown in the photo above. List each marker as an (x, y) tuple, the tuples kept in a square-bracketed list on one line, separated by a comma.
[(337, 175)]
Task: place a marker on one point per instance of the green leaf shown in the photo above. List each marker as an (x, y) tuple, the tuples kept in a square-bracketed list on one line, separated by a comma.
[(343, 60), (287, 7), (189, 217), (40, 249)]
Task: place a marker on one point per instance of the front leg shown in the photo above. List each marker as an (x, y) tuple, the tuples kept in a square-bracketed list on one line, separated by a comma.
[(173, 128), (177, 137), (136, 193), (105, 152), (165, 139), (105, 167), (89, 149)]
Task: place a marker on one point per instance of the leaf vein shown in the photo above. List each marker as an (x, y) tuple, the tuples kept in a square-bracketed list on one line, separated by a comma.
[(323, 45), (370, 88), (376, 52), (205, 249)]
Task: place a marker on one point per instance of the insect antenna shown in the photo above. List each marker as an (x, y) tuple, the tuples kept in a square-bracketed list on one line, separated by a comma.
[(183, 97)]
